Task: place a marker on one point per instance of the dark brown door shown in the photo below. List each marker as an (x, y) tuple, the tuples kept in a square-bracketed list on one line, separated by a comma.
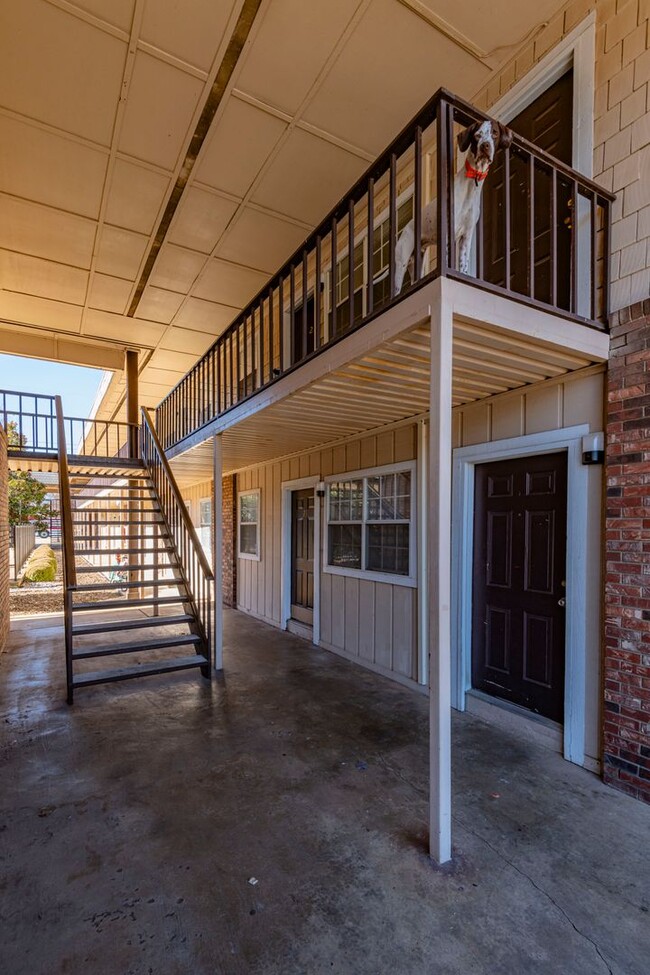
[(302, 555), (518, 618), (547, 122)]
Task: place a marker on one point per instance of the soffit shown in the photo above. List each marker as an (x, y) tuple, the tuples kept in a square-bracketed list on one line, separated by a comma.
[(100, 99), (385, 385)]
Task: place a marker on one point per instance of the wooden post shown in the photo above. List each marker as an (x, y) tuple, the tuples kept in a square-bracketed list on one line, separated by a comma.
[(132, 406), (217, 548), (439, 552)]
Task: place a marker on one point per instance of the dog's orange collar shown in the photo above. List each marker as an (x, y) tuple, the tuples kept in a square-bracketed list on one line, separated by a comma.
[(475, 174)]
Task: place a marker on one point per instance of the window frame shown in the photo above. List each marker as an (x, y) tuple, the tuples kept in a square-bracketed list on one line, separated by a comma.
[(374, 575), (249, 555)]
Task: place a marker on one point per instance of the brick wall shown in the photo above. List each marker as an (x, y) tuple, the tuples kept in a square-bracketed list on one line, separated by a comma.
[(626, 720), (621, 124), (229, 561), (4, 543)]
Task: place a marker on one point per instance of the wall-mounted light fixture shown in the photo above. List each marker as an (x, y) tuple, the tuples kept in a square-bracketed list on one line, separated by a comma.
[(593, 448), (320, 489)]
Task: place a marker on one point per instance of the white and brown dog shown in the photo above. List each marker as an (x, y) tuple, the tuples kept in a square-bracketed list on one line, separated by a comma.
[(480, 141)]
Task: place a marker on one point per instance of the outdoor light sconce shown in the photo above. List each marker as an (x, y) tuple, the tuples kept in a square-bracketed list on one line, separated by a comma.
[(593, 448), (320, 489)]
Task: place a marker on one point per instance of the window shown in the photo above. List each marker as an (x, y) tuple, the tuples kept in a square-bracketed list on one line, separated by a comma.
[(370, 523), (248, 521), (205, 526), (343, 290), (381, 252)]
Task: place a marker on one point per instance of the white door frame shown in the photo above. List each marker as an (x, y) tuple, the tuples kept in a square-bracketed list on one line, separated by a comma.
[(464, 460), (285, 581)]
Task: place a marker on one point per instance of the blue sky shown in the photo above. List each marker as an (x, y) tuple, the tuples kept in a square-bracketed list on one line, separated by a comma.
[(76, 385)]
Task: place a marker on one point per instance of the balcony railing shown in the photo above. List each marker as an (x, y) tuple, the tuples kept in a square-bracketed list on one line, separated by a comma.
[(31, 422), (542, 239)]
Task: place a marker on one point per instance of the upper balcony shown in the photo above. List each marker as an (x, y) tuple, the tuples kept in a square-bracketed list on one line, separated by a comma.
[(542, 239)]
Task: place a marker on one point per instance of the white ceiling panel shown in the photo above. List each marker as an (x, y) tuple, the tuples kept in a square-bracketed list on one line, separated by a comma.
[(158, 305), (176, 268), (260, 241), (291, 47), (110, 294), (45, 232), (50, 169), (368, 108), (205, 316), (191, 30), (180, 361), (135, 197), (230, 284), (47, 313), (119, 13), (127, 330), (238, 147), (186, 340), (33, 275), (66, 50), (120, 252), (162, 100), (201, 219), (307, 177)]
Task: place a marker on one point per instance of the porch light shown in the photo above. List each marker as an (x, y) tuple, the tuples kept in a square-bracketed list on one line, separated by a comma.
[(593, 448)]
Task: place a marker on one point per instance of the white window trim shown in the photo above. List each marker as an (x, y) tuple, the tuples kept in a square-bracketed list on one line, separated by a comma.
[(464, 461), (246, 555), (411, 580)]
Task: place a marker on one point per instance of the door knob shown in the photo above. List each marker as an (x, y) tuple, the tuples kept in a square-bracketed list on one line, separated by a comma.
[(561, 602)]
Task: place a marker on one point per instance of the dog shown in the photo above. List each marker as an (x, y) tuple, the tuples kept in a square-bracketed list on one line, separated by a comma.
[(480, 141)]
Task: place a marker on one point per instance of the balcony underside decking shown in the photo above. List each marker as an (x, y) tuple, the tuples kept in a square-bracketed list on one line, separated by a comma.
[(380, 375)]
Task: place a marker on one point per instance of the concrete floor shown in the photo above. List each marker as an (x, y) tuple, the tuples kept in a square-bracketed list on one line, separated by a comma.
[(131, 823)]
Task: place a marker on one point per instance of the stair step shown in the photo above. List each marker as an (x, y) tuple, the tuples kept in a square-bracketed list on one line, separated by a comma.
[(162, 548), (111, 511), (141, 646), (94, 538), (115, 497), (91, 629), (121, 520), (142, 670), (125, 567), (129, 603), (138, 584)]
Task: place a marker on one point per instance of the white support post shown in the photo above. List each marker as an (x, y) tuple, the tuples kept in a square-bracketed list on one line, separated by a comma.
[(217, 548), (439, 549)]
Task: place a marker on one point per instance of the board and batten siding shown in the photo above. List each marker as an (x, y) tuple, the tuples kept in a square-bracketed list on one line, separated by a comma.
[(574, 400), (375, 623), (372, 622)]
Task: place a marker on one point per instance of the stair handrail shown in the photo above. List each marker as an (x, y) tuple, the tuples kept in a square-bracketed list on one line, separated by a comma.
[(67, 539), (147, 425), (67, 542), (193, 564)]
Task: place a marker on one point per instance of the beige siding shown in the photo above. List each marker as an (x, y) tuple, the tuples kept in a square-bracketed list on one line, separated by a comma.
[(372, 622), (576, 400)]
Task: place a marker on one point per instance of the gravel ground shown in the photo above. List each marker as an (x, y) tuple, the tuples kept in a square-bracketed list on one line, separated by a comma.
[(47, 597)]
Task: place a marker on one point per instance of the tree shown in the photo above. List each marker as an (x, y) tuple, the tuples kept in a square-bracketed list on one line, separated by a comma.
[(14, 438), (27, 500)]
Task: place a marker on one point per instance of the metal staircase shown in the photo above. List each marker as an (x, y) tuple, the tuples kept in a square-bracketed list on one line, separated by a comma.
[(146, 612), (125, 526), (131, 556)]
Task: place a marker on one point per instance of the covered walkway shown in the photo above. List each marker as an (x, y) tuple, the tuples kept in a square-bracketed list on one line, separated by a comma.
[(132, 825)]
